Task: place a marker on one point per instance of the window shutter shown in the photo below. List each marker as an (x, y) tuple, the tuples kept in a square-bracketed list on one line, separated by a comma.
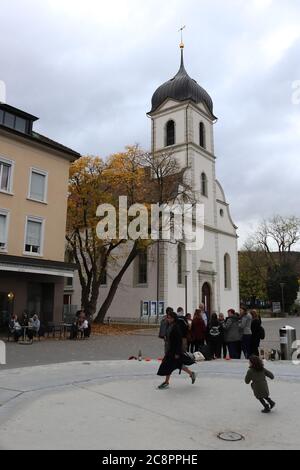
[(33, 236), (37, 190), (3, 220)]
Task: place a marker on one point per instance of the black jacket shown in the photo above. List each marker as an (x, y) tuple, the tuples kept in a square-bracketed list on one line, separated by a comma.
[(174, 341), (256, 329)]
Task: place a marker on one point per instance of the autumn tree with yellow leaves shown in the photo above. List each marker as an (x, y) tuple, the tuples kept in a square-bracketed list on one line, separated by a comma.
[(142, 178)]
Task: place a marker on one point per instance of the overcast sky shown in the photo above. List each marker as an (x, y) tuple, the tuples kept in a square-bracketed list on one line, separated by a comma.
[(88, 69)]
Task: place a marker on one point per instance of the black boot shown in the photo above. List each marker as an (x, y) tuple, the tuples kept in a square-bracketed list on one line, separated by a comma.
[(265, 405), (271, 403)]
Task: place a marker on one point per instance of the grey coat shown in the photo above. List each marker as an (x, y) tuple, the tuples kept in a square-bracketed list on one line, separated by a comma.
[(245, 324), (259, 382), (232, 330)]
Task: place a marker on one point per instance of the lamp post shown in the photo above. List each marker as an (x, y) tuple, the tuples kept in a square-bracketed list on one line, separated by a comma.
[(10, 297), (282, 284)]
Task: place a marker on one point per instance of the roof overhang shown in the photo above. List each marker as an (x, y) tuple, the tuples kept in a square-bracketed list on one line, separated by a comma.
[(36, 266), (178, 104)]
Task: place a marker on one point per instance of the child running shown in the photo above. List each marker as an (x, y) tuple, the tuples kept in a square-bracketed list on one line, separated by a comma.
[(257, 375)]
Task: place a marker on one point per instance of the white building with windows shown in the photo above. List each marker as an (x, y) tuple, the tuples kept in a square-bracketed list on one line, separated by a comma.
[(182, 122)]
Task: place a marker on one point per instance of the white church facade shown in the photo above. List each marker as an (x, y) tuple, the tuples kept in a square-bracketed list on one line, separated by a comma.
[(182, 122)]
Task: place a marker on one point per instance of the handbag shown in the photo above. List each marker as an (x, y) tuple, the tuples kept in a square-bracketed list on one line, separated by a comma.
[(262, 333), (188, 359), (198, 356)]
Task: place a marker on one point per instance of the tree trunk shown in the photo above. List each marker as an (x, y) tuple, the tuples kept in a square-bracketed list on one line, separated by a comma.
[(114, 286)]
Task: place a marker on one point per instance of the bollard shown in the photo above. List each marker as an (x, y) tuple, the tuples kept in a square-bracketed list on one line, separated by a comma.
[(287, 338)]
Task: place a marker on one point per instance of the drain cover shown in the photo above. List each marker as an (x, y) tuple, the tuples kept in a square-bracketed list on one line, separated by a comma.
[(230, 436), (86, 363)]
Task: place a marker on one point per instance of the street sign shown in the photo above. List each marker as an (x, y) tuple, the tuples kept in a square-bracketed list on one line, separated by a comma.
[(276, 307)]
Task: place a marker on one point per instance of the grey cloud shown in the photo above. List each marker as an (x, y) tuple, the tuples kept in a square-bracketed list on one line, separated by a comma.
[(90, 80)]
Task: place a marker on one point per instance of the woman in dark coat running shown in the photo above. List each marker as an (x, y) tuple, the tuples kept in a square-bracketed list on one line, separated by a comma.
[(257, 376), (173, 356)]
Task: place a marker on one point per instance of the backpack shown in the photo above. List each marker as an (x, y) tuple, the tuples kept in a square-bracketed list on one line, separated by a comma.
[(262, 333), (214, 331)]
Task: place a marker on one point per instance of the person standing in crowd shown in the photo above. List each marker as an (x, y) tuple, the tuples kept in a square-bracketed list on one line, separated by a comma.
[(257, 376), (188, 319), (198, 331), (256, 332), (173, 356), (203, 314), (245, 325), (233, 335), (164, 327), (184, 327), (222, 338), (214, 336)]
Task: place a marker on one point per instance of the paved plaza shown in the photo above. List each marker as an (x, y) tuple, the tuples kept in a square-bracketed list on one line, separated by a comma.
[(86, 394), (116, 405), (113, 347)]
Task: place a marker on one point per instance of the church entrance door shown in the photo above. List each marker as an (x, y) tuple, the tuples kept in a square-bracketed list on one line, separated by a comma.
[(206, 297)]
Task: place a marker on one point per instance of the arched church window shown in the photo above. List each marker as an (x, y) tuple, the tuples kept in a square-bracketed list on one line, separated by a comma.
[(142, 265), (227, 271), (170, 133), (204, 184), (202, 135)]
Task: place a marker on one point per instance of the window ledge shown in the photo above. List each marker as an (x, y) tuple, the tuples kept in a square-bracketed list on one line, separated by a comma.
[(27, 253), (36, 200), (9, 193), (168, 146), (141, 285)]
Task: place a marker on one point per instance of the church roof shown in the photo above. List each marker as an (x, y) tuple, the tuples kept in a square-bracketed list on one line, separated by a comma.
[(181, 88)]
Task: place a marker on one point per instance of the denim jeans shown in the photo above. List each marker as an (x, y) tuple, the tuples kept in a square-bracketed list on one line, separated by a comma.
[(246, 345)]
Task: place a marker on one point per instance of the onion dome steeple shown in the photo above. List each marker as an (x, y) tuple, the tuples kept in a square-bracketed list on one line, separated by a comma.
[(181, 88)]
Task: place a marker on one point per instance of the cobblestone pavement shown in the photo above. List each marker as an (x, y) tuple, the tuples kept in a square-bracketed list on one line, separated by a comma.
[(113, 347)]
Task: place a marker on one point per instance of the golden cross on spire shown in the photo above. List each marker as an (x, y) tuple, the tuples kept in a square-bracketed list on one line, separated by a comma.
[(181, 43)]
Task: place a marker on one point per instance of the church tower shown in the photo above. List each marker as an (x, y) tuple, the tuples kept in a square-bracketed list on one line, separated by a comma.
[(182, 122)]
